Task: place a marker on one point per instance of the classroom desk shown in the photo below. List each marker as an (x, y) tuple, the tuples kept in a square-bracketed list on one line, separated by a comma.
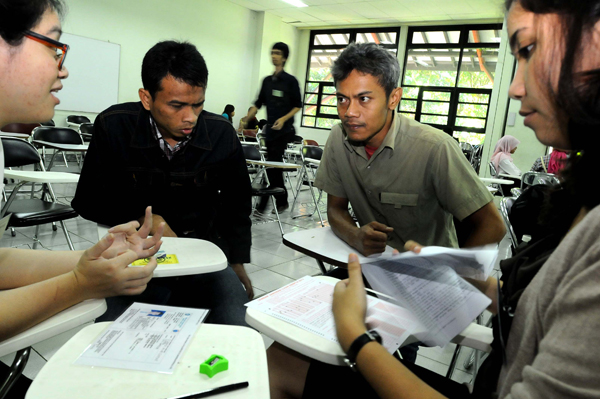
[(295, 153), (495, 181), (35, 176), (243, 347), (326, 351), (323, 245), (63, 321), (16, 135), (274, 164), (66, 320), (195, 256), (63, 147)]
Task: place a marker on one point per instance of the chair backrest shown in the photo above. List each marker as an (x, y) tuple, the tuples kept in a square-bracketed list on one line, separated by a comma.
[(251, 153), (25, 128), (49, 123), (493, 171), (505, 204), (87, 127), (534, 178), (310, 142), (297, 140), (18, 152), (313, 152), (59, 135), (263, 142), (77, 119)]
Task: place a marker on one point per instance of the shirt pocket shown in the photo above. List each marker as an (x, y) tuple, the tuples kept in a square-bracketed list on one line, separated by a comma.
[(400, 201)]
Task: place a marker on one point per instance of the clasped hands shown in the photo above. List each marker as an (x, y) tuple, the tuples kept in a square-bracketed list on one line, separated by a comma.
[(102, 270)]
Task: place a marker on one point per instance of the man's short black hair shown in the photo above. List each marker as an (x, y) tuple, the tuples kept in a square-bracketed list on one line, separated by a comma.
[(19, 16), (179, 59), (284, 49), (371, 59)]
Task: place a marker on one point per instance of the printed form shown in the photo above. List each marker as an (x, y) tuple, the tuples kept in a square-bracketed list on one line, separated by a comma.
[(306, 303), (145, 337)]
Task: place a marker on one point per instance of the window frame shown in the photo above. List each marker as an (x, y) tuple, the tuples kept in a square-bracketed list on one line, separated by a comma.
[(456, 90)]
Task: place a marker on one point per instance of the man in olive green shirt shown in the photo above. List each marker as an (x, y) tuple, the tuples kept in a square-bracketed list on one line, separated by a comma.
[(404, 180)]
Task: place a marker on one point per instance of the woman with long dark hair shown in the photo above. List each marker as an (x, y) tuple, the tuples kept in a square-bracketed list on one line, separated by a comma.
[(547, 304), (229, 112), (34, 285)]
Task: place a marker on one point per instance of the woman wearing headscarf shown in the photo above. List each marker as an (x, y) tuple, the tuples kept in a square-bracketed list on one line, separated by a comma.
[(502, 157)]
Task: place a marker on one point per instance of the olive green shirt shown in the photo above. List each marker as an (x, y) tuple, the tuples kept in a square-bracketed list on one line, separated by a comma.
[(415, 182)]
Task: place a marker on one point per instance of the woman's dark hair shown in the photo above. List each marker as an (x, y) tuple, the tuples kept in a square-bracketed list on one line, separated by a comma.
[(229, 110), (178, 59), (578, 93), (19, 16)]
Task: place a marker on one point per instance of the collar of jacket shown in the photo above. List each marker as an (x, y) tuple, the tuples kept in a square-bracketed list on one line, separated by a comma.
[(144, 138)]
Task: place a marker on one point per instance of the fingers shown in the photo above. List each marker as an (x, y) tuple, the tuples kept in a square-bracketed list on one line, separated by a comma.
[(127, 228), (381, 227), (147, 226), (413, 246), (101, 246), (354, 270)]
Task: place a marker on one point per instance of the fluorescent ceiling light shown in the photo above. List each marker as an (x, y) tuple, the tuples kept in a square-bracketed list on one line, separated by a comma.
[(296, 3)]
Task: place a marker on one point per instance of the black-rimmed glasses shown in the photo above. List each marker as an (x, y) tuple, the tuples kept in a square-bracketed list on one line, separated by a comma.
[(61, 48)]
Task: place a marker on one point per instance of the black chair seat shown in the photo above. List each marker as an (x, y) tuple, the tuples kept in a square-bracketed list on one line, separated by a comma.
[(264, 192), (32, 212)]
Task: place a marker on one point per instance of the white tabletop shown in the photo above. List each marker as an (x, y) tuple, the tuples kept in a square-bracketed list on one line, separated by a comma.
[(495, 181), (509, 176), (63, 321), (292, 152), (35, 176), (326, 351), (241, 346), (313, 161), (274, 164), (195, 256), (15, 135), (66, 147), (322, 243)]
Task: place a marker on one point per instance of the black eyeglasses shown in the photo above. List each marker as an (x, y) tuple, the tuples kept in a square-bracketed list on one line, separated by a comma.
[(61, 48)]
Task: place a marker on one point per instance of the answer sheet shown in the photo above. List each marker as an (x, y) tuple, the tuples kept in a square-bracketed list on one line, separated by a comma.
[(145, 337), (306, 303), (441, 300)]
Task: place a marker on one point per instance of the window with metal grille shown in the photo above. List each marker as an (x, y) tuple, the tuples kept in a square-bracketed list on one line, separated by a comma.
[(320, 104), (448, 77)]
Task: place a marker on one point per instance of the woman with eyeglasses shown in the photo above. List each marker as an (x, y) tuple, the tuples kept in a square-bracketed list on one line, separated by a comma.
[(35, 285), (547, 302)]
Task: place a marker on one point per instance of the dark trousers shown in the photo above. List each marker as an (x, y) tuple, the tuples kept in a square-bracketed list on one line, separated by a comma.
[(275, 150)]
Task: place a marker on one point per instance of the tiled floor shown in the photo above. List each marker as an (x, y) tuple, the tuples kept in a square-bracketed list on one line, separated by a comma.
[(273, 265)]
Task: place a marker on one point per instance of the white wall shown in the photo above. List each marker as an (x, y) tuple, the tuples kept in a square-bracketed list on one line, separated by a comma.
[(225, 34)]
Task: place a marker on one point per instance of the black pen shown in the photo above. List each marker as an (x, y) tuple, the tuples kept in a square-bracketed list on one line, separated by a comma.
[(214, 391)]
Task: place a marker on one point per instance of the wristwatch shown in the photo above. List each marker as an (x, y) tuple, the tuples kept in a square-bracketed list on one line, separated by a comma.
[(357, 345)]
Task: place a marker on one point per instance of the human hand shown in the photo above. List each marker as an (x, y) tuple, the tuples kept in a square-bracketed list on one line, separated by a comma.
[(278, 124), (100, 277), (127, 237), (350, 305), (413, 246), (156, 221), (239, 270), (372, 238)]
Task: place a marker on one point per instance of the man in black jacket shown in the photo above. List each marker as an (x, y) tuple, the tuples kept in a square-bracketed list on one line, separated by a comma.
[(188, 164)]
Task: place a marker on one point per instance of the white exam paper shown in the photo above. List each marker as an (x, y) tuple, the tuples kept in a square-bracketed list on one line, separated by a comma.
[(145, 337), (306, 303)]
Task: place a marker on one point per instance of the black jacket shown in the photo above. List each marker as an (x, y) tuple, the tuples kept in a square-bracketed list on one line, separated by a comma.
[(204, 188)]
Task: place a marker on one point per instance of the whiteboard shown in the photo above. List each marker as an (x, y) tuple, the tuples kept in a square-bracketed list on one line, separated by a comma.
[(93, 82)]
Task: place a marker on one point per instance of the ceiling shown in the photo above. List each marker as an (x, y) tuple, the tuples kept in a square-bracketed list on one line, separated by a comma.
[(340, 13)]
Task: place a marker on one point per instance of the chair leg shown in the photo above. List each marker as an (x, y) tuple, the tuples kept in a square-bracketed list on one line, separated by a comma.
[(67, 236), (277, 214), (321, 266), (36, 240), (16, 369), (452, 365), (298, 186)]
